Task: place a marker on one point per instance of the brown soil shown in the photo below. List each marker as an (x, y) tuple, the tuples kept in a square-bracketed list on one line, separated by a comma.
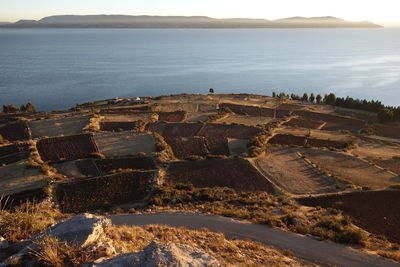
[(390, 164), (228, 131), (289, 140), (292, 173), (15, 131), (333, 123), (113, 144), (184, 147), (174, 129), (117, 126), (177, 116), (326, 143), (351, 168), (57, 127), (126, 110), (235, 173), (99, 192), (304, 123), (13, 153), (376, 212), (67, 147), (385, 130)]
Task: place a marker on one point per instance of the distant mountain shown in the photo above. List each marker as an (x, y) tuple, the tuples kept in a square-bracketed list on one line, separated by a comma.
[(124, 21), (4, 23)]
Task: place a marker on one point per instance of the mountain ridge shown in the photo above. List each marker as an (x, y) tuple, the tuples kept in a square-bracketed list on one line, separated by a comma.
[(147, 21)]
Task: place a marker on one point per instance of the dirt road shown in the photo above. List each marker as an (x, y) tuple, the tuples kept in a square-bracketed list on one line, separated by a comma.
[(319, 252)]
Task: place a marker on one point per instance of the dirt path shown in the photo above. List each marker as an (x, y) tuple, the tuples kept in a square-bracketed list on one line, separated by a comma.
[(319, 252)]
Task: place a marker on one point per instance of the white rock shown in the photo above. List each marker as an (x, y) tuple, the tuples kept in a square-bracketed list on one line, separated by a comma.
[(159, 254), (4, 243), (82, 230)]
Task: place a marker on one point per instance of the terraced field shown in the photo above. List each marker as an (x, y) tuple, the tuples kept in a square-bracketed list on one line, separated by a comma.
[(285, 168), (374, 211), (124, 143), (58, 127), (351, 168), (235, 173)]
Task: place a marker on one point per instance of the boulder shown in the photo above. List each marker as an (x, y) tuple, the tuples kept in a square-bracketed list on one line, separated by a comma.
[(161, 254), (81, 230)]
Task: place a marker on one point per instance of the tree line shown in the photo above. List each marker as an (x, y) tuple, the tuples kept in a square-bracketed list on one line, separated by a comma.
[(28, 108), (385, 113)]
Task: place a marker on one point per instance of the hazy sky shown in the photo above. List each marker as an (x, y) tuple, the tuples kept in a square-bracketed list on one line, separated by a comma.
[(372, 10)]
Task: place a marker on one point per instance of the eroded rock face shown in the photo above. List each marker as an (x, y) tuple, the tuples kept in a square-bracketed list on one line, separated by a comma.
[(82, 230), (160, 254)]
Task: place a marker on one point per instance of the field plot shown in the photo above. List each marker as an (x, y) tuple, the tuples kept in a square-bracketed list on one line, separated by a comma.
[(69, 169), (333, 122), (357, 114), (15, 131), (391, 131), (95, 193), (290, 172), (304, 123), (13, 153), (32, 195), (290, 107), (235, 173), (249, 110), (390, 164), (67, 147), (218, 145), (246, 120), (174, 129), (177, 116), (135, 163), (237, 146), (331, 144), (198, 116), (351, 168), (376, 212), (381, 151), (127, 117), (124, 143), (126, 110), (113, 126), (184, 147), (212, 130), (172, 106), (16, 178), (57, 127), (287, 140), (207, 107)]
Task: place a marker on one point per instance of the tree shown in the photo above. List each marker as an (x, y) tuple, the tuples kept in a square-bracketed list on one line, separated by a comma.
[(10, 109), (305, 97), (211, 91), (319, 98), (330, 99), (311, 98), (29, 107), (273, 94), (385, 115)]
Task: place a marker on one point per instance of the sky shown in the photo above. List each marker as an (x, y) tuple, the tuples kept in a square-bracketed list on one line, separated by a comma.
[(385, 12)]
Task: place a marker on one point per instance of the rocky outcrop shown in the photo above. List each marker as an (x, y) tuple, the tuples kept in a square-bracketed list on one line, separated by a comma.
[(82, 230), (160, 254)]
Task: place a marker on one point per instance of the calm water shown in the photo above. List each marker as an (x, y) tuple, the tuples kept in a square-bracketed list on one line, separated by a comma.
[(57, 68)]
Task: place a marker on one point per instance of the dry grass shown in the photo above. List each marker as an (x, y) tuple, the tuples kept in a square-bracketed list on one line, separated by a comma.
[(52, 252), (26, 220)]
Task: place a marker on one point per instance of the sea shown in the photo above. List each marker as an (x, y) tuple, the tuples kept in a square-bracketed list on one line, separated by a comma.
[(57, 68)]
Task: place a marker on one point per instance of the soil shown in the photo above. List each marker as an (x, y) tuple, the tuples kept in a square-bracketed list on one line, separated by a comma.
[(374, 211), (15, 131), (292, 173), (13, 153), (235, 173), (100, 192), (67, 147)]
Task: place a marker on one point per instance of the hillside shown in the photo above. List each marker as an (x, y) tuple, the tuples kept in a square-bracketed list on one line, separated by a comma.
[(295, 165), (125, 21)]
